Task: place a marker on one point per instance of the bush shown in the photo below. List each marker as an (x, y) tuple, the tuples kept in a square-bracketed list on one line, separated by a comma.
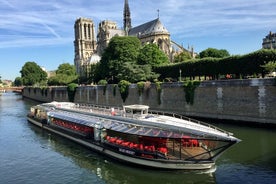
[(102, 82), (140, 86), (249, 64), (123, 88), (189, 88), (71, 90)]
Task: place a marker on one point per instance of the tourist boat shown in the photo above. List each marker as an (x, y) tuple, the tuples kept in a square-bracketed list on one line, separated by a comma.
[(136, 135)]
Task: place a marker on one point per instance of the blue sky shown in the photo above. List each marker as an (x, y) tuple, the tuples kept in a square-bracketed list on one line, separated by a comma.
[(42, 31)]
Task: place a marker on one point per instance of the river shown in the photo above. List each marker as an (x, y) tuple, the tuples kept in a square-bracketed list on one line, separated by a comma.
[(31, 155)]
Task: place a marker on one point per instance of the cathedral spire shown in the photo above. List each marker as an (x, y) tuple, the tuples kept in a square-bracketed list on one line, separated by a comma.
[(127, 19)]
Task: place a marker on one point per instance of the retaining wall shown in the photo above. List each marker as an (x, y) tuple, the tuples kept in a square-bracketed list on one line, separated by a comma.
[(251, 100)]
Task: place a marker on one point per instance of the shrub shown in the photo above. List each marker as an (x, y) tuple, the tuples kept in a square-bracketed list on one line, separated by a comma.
[(123, 88), (103, 83), (189, 88), (71, 90), (140, 86)]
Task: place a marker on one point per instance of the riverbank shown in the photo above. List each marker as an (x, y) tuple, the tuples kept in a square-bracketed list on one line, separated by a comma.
[(251, 100)]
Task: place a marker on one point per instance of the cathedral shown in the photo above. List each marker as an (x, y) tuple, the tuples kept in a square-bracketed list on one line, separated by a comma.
[(89, 47)]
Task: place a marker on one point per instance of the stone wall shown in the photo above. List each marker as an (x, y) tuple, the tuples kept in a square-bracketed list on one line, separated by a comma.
[(247, 100), (46, 94)]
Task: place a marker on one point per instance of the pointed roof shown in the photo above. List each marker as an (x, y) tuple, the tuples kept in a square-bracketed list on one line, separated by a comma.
[(154, 26), (127, 19)]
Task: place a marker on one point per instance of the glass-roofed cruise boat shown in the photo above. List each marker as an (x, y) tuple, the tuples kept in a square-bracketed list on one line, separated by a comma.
[(136, 135)]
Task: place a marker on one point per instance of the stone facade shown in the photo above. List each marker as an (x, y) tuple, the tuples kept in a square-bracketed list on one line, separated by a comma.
[(153, 32), (106, 30), (269, 42), (85, 43)]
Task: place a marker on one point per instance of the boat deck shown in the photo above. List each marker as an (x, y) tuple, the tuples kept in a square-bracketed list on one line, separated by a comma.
[(177, 152)]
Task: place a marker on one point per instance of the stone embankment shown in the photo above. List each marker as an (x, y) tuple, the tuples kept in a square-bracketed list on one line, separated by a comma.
[(252, 100)]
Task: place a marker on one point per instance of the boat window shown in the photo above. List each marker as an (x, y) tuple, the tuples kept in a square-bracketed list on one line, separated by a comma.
[(136, 110)]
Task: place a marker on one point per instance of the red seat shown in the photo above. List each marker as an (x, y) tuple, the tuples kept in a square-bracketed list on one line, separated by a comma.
[(125, 143), (131, 145), (112, 139), (119, 141), (136, 146), (163, 150)]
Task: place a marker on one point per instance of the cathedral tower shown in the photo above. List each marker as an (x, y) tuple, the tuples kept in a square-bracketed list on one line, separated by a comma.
[(127, 19), (85, 43)]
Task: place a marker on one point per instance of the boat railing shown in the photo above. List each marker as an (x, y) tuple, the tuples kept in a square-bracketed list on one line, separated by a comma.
[(188, 119), (107, 110)]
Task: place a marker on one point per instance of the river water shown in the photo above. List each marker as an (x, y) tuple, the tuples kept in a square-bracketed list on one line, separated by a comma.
[(30, 155)]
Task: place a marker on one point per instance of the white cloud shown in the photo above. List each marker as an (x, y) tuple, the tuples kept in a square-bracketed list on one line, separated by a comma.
[(53, 20)]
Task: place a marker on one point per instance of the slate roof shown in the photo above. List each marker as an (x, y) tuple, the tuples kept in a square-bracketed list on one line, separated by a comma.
[(154, 26)]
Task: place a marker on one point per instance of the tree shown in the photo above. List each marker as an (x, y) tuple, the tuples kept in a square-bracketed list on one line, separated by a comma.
[(212, 52), (152, 55), (18, 81), (270, 66), (135, 73), (32, 74), (183, 56), (65, 74), (119, 51), (125, 59), (66, 69)]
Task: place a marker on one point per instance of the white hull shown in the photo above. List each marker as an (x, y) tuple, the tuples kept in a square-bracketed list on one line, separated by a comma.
[(159, 164)]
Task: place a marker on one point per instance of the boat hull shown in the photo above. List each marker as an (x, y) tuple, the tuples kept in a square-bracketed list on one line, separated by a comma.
[(123, 156)]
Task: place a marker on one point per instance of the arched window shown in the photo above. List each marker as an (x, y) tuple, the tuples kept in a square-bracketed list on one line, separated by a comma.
[(85, 33), (160, 43), (89, 31)]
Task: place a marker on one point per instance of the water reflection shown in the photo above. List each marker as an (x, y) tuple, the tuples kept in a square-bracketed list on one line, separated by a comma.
[(253, 160)]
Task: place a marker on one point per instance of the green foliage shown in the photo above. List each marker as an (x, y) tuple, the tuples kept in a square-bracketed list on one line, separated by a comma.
[(124, 59), (212, 52), (140, 86), (159, 91), (240, 66), (66, 69), (32, 74), (71, 90), (120, 50), (123, 88), (150, 54), (18, 81), (134, 73), (103, 83), (183, 56), (92, 74), (189, 88), (65, 74), (270, 66)]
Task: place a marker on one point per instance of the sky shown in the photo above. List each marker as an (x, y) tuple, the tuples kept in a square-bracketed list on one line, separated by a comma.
[(43, 31)]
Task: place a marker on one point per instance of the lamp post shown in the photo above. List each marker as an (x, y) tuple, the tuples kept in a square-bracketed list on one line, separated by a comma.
[(180, 75)]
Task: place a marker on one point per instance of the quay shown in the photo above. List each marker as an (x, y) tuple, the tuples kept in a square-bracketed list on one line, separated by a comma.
[(247, 100)]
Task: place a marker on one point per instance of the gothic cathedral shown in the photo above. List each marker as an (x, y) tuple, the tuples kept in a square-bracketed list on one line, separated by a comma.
[(88, 50)]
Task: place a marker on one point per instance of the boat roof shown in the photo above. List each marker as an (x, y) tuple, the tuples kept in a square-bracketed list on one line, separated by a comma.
[(154, 126), (136, 107)]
